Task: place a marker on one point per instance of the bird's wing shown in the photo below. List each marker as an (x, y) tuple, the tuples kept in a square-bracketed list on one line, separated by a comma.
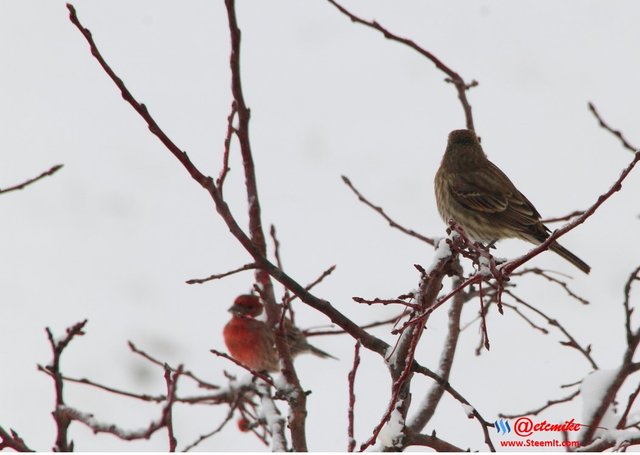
[(490, 191)]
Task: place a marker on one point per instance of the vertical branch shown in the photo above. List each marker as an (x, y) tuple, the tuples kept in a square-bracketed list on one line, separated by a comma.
[(167, 413), (625, 370), (428, 407), (62, 420), (352, 398), (401, 362), (297, 400)]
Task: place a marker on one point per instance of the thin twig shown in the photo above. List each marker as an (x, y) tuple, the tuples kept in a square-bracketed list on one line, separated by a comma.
[(255, 373), (385, 302), (382, 213), (249, 266), (562, 218), (227, 147), (562, 284), (536, 411), (216, 430), (310, 333), (201, 383), (616, 133), (22, 185), (571, 341)]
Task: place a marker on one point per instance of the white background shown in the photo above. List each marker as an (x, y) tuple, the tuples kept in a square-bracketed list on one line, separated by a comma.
[(113, 236)]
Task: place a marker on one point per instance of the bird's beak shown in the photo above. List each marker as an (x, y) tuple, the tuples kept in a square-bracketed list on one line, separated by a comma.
[(234, 309)]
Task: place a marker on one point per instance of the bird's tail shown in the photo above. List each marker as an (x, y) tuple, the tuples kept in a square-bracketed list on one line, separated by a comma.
[(319, 352), (569, 256)]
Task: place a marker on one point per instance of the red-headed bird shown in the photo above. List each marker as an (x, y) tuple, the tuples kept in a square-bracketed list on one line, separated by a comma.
[(251, 342)]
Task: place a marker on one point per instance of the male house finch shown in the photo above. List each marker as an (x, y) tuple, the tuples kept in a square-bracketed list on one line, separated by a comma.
[(251, 342), (471, 190)]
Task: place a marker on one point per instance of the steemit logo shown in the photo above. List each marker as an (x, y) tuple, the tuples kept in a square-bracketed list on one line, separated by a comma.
[(502, 426)]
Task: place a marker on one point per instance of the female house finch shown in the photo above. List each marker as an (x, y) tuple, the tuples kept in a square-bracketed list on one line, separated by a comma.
[(471, 190), (251, 342)]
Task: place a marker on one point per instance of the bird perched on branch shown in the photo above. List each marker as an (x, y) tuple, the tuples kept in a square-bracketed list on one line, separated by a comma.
[(475, 193), (251, 342)]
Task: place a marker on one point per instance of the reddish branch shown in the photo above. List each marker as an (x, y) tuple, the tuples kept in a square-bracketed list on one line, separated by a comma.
[(12, 440), (227, 147), (622, 423), (452, 77), (22, 185), (439, 445), (613, 131), (62, 443), (570, 342), (381, 211), (351, 445), (555, 235)]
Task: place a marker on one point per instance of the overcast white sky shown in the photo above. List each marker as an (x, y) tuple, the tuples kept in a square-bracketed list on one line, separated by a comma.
[(113, 236)]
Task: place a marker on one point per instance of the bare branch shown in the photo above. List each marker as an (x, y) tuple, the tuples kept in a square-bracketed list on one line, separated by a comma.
[(453, 77), (227, 147), (562, 218), (250, 266), (562, 284), (201, 383), (381, 211), (255, 373), (22, 185), (536, 411), (616, 133), (62, 443), (571, 341)]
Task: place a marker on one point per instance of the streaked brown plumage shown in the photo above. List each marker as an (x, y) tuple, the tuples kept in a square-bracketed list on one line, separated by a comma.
[(474, 192), (250, 341)]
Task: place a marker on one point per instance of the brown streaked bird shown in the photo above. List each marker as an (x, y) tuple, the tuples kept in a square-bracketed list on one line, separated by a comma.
[(251, 342), (475, 193)]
